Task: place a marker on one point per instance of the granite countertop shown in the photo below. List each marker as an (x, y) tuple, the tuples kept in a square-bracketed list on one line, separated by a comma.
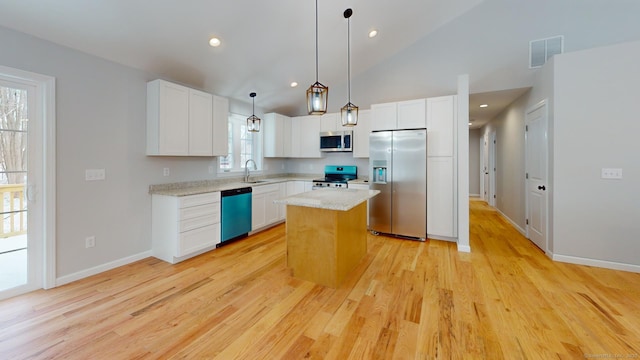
[(330, 198), (205, 186)]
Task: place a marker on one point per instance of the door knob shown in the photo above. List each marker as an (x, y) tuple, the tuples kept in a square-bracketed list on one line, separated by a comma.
[(542, 188)]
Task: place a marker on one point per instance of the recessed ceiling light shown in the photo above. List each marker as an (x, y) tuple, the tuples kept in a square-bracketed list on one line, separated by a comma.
[(484, 105), (214, 41), (470, 124), (294, 84), (373, 33)]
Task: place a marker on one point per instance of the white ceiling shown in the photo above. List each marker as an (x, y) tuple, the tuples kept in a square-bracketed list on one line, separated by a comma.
[(421, 48)]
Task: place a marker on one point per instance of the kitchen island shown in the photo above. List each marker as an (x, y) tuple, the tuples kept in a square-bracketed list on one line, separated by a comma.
[(326, 233)]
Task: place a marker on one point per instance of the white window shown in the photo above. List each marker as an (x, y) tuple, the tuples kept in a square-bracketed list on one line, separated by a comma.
[(243, 145)]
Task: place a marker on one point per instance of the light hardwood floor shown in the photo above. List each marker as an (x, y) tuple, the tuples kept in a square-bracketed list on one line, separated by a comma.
[(406, 300)]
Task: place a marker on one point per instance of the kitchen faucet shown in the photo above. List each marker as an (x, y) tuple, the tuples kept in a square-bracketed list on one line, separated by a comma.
[(246, 169)]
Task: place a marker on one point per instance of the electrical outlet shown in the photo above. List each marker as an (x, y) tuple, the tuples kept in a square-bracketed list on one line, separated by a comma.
[(609, 173), (89, 242), (165, 172)]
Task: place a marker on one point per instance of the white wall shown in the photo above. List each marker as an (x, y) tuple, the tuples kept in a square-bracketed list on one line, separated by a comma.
[(316, 166), (475, 136), (510, 171), (596, 126), (101, 123)]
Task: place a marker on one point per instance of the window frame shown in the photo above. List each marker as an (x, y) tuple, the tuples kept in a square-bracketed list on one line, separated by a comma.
[(236, 126)]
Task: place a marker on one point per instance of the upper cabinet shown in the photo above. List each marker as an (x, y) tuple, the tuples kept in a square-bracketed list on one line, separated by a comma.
[(409, 114), (441, 117), (361, 134), (277, 135), (308, 130), (185, 122)]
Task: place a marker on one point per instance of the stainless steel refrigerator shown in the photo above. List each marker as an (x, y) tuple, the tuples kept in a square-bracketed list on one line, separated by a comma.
[(398, 168)]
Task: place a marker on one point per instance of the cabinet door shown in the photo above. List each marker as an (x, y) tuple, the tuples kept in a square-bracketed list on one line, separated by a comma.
[(361, 135), (273, 135), (412, 114), (384, 116), (220, 126), (309, 136), (329, 122), (440, 196), (258, 216), (173, 119), (287, 146), (282, 208), (295, 187), (440, 125), (295, 137), (271, 210), (200, 123)]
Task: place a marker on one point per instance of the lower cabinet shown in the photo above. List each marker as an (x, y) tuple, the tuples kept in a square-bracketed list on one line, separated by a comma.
[(184, 226), (263, 211), (441, 207)]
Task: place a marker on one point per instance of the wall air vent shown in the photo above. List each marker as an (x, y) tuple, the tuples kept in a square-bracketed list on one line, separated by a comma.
[(543, 49)]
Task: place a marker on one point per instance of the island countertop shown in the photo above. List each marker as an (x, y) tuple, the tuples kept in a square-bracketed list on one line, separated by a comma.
[(330, 199)]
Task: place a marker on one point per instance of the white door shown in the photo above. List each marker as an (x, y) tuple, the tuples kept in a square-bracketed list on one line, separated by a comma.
[(536, 174), (493, 156), (485, 167), (26, 143)]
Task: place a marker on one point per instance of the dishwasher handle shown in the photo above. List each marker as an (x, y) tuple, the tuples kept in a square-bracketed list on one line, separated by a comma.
[(239, 191)]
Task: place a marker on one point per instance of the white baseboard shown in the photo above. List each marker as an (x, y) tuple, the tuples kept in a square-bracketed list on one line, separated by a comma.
[(513, 223), (464, 248), (596, 263), (474, 195), (102, 268)]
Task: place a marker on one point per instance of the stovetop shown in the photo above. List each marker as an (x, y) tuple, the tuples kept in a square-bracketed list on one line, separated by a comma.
[(337, 176)]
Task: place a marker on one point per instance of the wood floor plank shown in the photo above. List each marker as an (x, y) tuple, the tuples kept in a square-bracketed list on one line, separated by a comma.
[(405, 300)]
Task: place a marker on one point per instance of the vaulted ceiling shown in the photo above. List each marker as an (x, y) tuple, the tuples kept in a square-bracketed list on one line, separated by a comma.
[(421, 47)]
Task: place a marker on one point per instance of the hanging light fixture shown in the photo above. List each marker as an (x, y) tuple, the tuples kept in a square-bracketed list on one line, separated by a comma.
[(349, 112), (317, 93), (253, 122)]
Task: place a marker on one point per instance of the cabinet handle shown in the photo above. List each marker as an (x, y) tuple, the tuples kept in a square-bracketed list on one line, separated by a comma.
[(543, 188)]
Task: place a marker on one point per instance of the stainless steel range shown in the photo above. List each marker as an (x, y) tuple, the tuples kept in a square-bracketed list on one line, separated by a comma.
[(336, 176)]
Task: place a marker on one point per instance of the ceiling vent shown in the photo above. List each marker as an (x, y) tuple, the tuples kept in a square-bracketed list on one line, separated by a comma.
[(543, 49)]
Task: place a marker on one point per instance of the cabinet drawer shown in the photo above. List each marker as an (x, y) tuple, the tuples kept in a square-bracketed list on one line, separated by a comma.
[(200, 199), (202, 221), (194, 240), (209, 210)]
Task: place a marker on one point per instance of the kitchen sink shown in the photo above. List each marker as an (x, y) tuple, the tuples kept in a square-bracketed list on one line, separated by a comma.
[(254, 181)]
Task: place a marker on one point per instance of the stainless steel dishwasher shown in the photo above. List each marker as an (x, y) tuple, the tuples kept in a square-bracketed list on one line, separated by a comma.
[(235, 214)]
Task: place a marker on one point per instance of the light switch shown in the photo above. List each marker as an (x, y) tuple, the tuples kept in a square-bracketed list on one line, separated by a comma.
[(611, 173)]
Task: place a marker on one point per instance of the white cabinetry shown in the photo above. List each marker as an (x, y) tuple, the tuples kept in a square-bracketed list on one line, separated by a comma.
[(282, 208), (277, 135), (185, 226), (220, 126), (329, 122), (263, 211), (440, 124), (308, 139), (441, 167), (409, 114), (361, 134), (185, 122), (440, 196)]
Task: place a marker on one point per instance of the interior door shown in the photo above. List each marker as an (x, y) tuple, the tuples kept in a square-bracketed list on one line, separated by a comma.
[(485, 167), (536, 174)]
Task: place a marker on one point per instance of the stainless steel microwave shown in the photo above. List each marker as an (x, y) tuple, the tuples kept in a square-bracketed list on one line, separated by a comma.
[(336, 141)]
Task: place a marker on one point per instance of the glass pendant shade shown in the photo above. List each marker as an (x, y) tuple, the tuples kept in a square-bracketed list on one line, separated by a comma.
[(317, 95), (349, 115), (253, 122)]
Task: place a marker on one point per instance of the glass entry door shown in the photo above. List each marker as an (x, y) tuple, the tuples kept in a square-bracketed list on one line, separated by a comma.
[(14, 122)]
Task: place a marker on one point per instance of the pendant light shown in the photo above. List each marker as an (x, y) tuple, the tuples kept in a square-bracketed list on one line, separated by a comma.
[(317, 93), (349, 112), (253, 122)]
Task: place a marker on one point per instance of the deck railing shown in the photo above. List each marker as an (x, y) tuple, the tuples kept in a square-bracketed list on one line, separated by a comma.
[(14, 210)]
